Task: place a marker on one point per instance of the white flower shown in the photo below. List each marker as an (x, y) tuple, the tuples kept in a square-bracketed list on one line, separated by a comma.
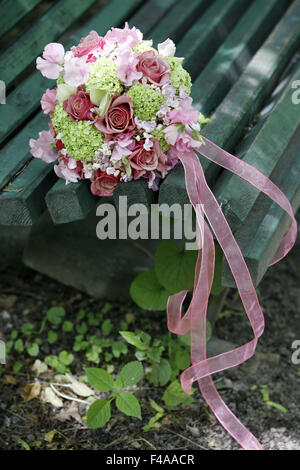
[(167, 48)]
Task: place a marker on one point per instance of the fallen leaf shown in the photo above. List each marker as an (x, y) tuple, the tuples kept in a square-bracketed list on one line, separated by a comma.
[(9, 379), (69, 412), (50, 435), (32, 391), (79, 388), (39, 367), (49, 396)]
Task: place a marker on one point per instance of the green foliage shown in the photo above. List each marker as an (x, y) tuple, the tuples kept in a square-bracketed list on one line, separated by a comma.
[(99, 412), (173, 272), (55, 315), (174, 395)]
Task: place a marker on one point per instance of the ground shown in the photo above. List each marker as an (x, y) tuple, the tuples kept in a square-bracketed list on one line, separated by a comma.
[(25, 296)]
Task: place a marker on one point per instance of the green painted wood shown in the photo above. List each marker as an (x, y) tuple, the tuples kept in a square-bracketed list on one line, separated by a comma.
[(12, 12), (25, 99), (151, 13), (267, 223), (137, 192), (23, 52), (16, 153), (178, 20), (243, 100), (266, 154), (231, 58), (205, 36), (75, 203), (25, 201)]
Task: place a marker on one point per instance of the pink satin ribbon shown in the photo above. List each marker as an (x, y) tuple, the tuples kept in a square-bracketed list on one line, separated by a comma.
[(194, 320)]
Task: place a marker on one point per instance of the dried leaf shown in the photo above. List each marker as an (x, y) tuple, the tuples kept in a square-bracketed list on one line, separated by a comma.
[(50, 435), (70, 412), (49, 396), (39, 367), (9, 379), (32, 391), (80, 388)]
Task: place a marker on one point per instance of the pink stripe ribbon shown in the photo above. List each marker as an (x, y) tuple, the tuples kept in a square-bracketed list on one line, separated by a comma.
[(194, 320)]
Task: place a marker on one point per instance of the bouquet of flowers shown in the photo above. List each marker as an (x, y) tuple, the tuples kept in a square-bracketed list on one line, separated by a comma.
[(118, 111), (121, 110)]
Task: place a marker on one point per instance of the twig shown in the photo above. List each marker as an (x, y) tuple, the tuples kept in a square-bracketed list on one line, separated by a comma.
[(66, 396), (145, 440), (187, 439)]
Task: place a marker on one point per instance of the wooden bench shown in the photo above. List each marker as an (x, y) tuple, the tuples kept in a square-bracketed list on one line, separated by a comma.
[(243, 58)]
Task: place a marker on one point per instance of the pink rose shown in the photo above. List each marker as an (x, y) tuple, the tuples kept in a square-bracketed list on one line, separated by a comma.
[(142, 160), (103, 184), (119, 117), (154, 68), (88, 44), (78, 106)]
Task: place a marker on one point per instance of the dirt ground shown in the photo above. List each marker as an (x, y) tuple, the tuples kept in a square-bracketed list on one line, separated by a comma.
[(25, 296)]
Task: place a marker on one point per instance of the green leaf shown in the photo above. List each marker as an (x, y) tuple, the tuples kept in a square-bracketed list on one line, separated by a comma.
[(52, 337), (67, 326), (107, 327), (65, 358), (160, 413), (82, 328), (100, 379), (139, 340), (131, 373), (217, 282), (147, 292), (164, 372), (33, 349), (119, 348), (98, 414), (175, 268), (174, 395), (19, 345), (27, 329), (55, 314), (129, 404), (182, 358)]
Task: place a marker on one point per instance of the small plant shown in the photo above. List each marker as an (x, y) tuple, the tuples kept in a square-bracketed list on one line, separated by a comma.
[(99, 413)]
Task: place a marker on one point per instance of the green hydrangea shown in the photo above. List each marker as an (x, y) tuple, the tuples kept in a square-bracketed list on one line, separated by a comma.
[(82, 140), (59, 118), (103, 76), (143, 47), (179, 76), (146, 101), (60, 79), (160, 136)]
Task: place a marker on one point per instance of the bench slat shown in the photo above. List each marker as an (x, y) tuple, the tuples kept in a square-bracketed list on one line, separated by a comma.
[(243, 101), (227, 64), (207, 33), (24, 51), (178, 20), (266, 154), (9, 16), (24, 206), (267, 222), (16, 152), (73, 204)]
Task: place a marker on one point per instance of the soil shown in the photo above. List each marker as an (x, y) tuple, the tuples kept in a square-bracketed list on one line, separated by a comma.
[(25, 296)]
